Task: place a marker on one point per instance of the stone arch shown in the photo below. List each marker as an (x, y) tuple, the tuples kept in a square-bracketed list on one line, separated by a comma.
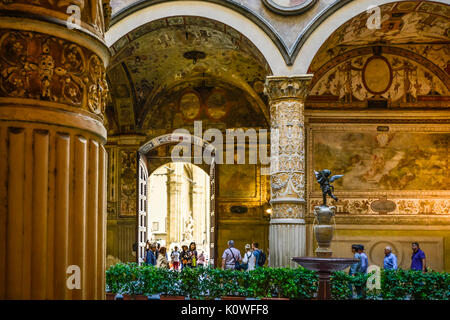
[(324, 25), (253, 27)]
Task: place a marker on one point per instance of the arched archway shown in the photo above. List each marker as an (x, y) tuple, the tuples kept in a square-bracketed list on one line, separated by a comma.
[(263, 40), (325, 24), (146, 161)]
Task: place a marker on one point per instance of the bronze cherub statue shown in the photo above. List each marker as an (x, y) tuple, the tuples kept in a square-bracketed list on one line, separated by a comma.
[(325, 184)]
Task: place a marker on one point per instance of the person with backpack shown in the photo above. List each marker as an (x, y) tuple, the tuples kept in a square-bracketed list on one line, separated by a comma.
[(260, 256), (231, 258)]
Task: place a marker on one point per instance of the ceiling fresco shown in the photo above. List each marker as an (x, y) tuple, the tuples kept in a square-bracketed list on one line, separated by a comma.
[(216, 105), (420, 26), (163, 54), (405, 63)]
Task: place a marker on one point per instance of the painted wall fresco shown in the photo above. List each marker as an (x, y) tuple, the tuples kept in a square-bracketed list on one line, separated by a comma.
[(237, 181), (398, 79), (384, 161), (422, 25)]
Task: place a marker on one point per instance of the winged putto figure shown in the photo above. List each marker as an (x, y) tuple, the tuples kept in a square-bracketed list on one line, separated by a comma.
[(323, 178)]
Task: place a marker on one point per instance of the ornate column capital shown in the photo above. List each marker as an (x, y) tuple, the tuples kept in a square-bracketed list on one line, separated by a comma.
[(287, 87), (94, 15)]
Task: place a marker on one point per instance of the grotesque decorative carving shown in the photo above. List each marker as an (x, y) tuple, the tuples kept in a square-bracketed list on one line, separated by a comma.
[(287, 169), (128, 172), (38, 66)]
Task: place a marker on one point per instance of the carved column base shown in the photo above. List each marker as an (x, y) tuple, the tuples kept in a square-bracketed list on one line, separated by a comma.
[(287, 240)]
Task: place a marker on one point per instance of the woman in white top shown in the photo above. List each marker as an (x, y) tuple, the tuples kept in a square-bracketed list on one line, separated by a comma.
[(249, 258), (162, 262)]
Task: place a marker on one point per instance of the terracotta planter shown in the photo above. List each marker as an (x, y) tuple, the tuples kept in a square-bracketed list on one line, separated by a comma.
[(166, 297), (128, 297), (274, 298), (110, 296), (232, 298), (140, 297)]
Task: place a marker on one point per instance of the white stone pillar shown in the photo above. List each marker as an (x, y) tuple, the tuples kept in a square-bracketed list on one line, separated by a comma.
[(287, 232)]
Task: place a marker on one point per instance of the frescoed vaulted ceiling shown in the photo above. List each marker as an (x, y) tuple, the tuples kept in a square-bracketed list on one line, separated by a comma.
[(150, 63), (404, 63)]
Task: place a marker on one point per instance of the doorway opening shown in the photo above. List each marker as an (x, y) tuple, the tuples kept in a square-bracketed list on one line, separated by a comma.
[(176, 204), (179, 207)]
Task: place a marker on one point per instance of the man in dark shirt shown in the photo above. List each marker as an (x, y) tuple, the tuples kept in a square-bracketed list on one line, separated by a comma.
[(418, 258), (150, 258)]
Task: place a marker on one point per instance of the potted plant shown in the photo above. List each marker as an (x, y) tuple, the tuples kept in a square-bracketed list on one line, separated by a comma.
[(259, 282), (232, 285), (193, 281), (299, 284), (117, 279), (169, 284), (278, 279)]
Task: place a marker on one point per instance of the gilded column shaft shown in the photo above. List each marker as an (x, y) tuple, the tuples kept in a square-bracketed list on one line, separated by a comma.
[(287, 168), (53, 93)]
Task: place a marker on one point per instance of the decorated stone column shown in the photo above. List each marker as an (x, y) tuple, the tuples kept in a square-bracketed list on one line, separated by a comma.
[(53, 93), (287, 232)]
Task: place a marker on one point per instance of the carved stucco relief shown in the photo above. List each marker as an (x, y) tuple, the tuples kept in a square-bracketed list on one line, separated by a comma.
[(287, 145), (42, 67)]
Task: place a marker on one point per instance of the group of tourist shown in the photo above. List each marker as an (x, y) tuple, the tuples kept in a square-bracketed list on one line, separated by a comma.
[(253, 257), (418, 262), (187, 257)]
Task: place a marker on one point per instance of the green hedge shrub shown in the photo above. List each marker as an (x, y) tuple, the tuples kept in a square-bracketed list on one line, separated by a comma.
[(409, 284), (298, 283)]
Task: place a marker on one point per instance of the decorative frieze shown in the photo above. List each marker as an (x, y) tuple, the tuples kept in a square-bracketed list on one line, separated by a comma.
[(42, 67), (402, 206)]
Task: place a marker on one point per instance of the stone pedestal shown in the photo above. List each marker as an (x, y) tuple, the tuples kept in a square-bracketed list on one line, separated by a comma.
[(53, 164), (287, 234)]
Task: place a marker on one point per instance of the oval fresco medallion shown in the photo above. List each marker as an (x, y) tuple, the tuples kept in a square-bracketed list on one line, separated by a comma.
[(377, 75), (383, 206), (190, 105)]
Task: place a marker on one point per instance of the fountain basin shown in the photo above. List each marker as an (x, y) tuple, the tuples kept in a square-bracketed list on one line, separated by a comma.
[(324, 264), (324, 268)]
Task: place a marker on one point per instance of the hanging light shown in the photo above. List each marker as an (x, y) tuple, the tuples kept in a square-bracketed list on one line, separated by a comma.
[(194, 55)]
